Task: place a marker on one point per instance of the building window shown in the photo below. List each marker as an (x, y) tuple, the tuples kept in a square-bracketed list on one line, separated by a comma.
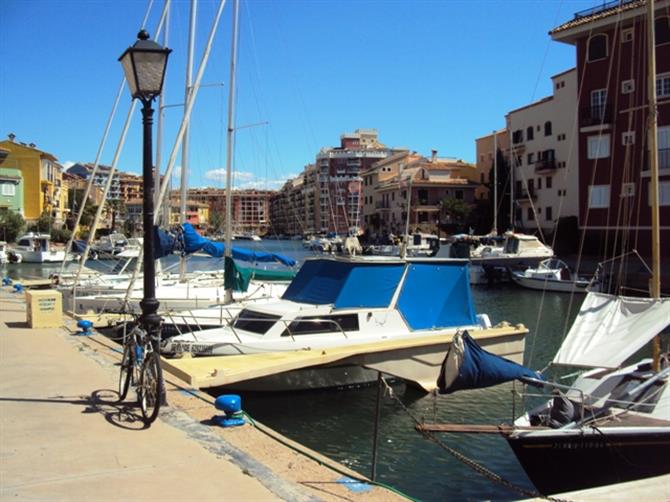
[(548, 213), (663, 85), (662, 27), (8, 189), (529, 133), (628, 138), (627, 86), (598, 147), (627, 189), (663, 193), (547, 128), (627, 35), (518, 187), (597, 47), (531, 187), (598, 103), (599, 196), (530, 216), (663, 142), (481, 178), (548, 182), (517, 136), (531, 158), (539, 183)]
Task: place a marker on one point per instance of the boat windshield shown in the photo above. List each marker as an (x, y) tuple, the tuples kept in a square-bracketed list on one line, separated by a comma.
[(255, 322), (325, 324)]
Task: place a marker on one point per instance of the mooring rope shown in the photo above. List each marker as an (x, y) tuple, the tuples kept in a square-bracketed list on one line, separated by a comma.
[(487, 473)]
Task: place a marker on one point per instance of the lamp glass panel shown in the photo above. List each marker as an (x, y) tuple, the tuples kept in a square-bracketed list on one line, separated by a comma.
[(150, 68), (127, 63)]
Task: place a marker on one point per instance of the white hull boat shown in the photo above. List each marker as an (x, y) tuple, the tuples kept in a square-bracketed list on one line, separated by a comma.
[(552, 275), (336, 302), (36, 248)]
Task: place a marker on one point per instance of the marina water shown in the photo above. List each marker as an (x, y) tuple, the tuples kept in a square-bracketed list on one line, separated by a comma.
[(339, 423)]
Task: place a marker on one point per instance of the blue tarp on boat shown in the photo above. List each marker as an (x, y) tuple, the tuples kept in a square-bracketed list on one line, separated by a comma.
[(468, 366), (345, 284), (437, 295), (194, 242)]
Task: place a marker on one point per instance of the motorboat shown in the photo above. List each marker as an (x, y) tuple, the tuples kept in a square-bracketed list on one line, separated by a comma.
[(517, 249), (552, 275), (246, 236), (36, 248), (7, 255), (417, 245), (349, 301)]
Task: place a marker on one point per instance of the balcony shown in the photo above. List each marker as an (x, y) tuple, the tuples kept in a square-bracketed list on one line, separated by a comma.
[(601, 8), (526, 194), (382, 205), (543, 166), (595, 115)]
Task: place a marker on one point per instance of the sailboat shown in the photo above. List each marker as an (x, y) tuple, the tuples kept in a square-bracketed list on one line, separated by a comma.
[(612, 424)]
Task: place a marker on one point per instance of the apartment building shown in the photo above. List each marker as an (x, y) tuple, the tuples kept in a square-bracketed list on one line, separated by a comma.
[(131, 186), (11, 185), (612, 83), (102, 174), (197, 213), (337, 181), (41, 181), (545, 157), (410, 183), (485, 148)]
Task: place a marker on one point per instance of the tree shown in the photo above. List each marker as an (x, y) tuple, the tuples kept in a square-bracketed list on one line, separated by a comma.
[(456, 209), (90, 209), (11, 224), (216, 221)]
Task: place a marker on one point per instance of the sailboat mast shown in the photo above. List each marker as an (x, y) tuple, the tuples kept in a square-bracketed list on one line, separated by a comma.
[(495, 182), (228, 298), (185, 141), (653, 161)]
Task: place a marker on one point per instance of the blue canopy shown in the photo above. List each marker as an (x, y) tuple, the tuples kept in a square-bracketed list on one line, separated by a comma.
[(437, 295), (193, 242), (345, 284), (468, 366)]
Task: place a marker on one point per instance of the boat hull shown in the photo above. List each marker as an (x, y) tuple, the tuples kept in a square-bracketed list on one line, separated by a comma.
[(544, 284), (561, 463), (41, 256)]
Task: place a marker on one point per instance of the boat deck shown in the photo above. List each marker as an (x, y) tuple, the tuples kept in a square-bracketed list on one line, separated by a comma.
[(417, 360), (629, 420)]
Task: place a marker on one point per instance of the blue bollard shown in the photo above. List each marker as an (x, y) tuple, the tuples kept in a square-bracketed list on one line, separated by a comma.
[(18, 288), (6, 281), (86, 327), (231, 405)]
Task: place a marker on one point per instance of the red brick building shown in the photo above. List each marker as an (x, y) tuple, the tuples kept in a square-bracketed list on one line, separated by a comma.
[(611, 48)]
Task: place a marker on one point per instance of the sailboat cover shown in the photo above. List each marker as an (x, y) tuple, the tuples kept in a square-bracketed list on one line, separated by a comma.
[(431, 295), (609, 329), (193, 242), (468, 366)]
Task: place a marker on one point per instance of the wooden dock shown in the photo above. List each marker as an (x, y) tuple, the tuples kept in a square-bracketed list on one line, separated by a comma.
[(416, 360)]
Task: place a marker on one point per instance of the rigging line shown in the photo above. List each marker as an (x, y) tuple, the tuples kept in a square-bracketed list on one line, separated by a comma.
[(472, 464), (98, 156)]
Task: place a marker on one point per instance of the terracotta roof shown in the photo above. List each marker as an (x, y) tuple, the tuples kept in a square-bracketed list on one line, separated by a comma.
[(590, 15)]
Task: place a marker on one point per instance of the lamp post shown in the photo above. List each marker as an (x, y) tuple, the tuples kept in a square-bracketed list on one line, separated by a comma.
[(144, 65)]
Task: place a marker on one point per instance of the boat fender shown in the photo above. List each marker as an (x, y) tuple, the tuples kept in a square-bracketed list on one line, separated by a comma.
[(86, 327), (18, 288), (6, 281), (231, 405)]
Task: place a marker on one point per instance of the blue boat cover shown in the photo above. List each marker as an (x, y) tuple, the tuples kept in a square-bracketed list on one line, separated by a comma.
[(78, 246), (437, 295), (345, 284), (477, 367), (193, 242)]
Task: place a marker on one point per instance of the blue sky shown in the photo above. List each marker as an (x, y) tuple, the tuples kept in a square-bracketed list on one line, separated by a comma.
[(426, 74)]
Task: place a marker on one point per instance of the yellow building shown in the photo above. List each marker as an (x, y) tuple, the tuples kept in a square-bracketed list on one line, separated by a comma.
[(43, 189)]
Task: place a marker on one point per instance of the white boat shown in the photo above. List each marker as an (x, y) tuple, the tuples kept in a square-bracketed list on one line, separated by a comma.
[(517, 250), (36, 248), (338, 301), (246, 236), (552, 275), (110, 245), (418, 245), (7, 255)]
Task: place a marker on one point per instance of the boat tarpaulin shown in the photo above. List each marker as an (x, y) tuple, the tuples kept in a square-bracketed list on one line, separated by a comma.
[(345, 284), (437, 295), (468, 366), (193, 242), (609, 329)]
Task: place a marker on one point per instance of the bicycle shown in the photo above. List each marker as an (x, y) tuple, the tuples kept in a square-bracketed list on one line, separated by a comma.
[(141, 368)]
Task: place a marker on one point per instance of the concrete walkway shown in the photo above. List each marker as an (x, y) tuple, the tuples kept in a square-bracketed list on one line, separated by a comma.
[(64, 437)]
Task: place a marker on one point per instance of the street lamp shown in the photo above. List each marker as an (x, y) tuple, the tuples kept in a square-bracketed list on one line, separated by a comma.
[(144, 65)]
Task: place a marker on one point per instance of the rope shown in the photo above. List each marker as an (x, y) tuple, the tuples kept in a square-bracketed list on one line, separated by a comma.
[(487, 473)]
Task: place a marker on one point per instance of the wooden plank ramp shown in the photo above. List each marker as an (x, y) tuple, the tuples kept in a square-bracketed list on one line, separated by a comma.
[(415, 359)]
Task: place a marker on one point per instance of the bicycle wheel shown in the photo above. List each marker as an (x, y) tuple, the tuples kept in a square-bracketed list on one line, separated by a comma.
[(150, 390), (126, 370)]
